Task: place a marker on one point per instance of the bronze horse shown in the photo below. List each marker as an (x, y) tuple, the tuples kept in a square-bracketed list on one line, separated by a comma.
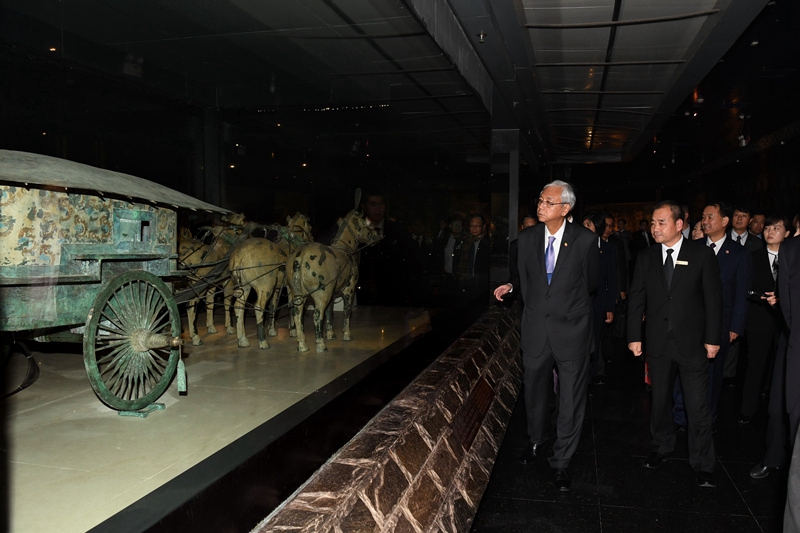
[(202, 259), (260, 264), (324, 273)]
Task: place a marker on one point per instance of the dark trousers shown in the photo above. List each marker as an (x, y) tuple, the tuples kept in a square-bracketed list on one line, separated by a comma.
[(715, 368), (760, 352), (573, 383), (597, 359), (693, 372), (791, 513), (781, 426)]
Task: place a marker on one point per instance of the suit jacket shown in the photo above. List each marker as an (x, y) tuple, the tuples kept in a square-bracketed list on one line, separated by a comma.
[(622, 263), (691, 308), (641, 242), (789, 298), (736, 269), (560, 312), (605, 299), (482, 258), (752, 243), (761, 316)]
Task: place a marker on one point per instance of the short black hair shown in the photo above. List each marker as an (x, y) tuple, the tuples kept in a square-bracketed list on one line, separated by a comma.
[(774, 219), (675, 209), (725, 209), (478, 215), (598, 219)]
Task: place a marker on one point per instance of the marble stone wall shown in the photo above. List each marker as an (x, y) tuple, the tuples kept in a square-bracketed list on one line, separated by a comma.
[(422, 464)]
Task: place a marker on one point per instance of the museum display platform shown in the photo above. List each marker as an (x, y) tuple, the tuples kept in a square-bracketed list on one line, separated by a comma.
[(253, 425)]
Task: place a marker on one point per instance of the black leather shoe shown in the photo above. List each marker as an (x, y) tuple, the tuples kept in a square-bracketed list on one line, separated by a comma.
[(705, 480), (531, 453), (760, 471), (562, 479), (654, 460), (680, 429), (744, 420)]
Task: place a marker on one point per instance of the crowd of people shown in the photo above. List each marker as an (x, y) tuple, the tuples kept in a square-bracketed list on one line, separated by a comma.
[(702, 302), (706, 303), (415, 265)]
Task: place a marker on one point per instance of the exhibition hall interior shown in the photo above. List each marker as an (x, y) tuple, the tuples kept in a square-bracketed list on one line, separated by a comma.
[(248, 253)]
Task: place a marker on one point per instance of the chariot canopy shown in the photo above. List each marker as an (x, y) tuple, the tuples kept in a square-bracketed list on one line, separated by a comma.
[(52, 173)]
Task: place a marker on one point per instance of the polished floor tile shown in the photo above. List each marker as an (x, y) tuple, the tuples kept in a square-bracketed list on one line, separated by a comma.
[(613, 492)]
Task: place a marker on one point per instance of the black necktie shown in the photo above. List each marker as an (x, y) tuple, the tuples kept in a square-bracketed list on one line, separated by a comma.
[(775, 267), (669, 267)]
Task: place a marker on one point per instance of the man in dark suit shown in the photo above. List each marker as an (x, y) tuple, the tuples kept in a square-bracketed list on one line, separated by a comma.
[(739, 233), (558, 273), (480, 253), (605, 299), (740, 225), (789, 292), (736, 271), (641, 240), (384, 267), (789, 297), (676, 285)]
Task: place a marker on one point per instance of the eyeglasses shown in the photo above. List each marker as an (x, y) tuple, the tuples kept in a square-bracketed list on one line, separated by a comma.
[(548, 203)]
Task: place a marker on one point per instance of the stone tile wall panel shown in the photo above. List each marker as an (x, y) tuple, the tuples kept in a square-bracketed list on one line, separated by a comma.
[(422, 464)]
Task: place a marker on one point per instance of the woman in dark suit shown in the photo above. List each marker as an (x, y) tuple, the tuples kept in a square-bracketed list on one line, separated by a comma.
[(764, 322)]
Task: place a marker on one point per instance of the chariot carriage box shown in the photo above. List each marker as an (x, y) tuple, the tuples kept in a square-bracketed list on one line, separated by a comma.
[(89, 254)]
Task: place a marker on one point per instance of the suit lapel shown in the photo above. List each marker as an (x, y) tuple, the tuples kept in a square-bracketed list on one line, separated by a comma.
[(658, 264), (683, 257), (538, 251), (566, 241)]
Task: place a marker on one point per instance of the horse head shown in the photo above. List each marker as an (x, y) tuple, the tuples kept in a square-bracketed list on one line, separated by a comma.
[(354, 230), (299, 229)]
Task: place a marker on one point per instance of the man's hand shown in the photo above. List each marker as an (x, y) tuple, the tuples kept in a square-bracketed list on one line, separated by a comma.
[(771, 298), (636, 348), (609, 317), (733, 335), (502, 290), (623, 295), (711, 350)]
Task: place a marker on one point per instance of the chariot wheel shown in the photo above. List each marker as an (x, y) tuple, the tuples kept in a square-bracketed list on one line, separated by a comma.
[(131, 344)]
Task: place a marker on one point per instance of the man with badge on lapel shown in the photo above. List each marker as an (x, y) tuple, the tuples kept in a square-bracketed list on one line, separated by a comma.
[(557, 276), (677, 288)]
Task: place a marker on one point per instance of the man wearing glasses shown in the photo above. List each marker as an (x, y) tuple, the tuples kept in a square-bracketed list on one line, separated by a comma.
[(558, 273)]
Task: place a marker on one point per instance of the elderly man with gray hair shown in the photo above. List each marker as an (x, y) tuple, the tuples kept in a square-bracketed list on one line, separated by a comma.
[(558, 271)]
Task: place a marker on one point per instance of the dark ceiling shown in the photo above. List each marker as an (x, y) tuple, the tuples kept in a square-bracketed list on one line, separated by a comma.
[(587, 81)]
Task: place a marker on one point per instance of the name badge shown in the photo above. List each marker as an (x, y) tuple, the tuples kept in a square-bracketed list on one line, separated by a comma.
[(684, 263)]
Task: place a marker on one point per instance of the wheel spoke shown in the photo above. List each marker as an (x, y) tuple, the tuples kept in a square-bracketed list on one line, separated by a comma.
[(125, 378)]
